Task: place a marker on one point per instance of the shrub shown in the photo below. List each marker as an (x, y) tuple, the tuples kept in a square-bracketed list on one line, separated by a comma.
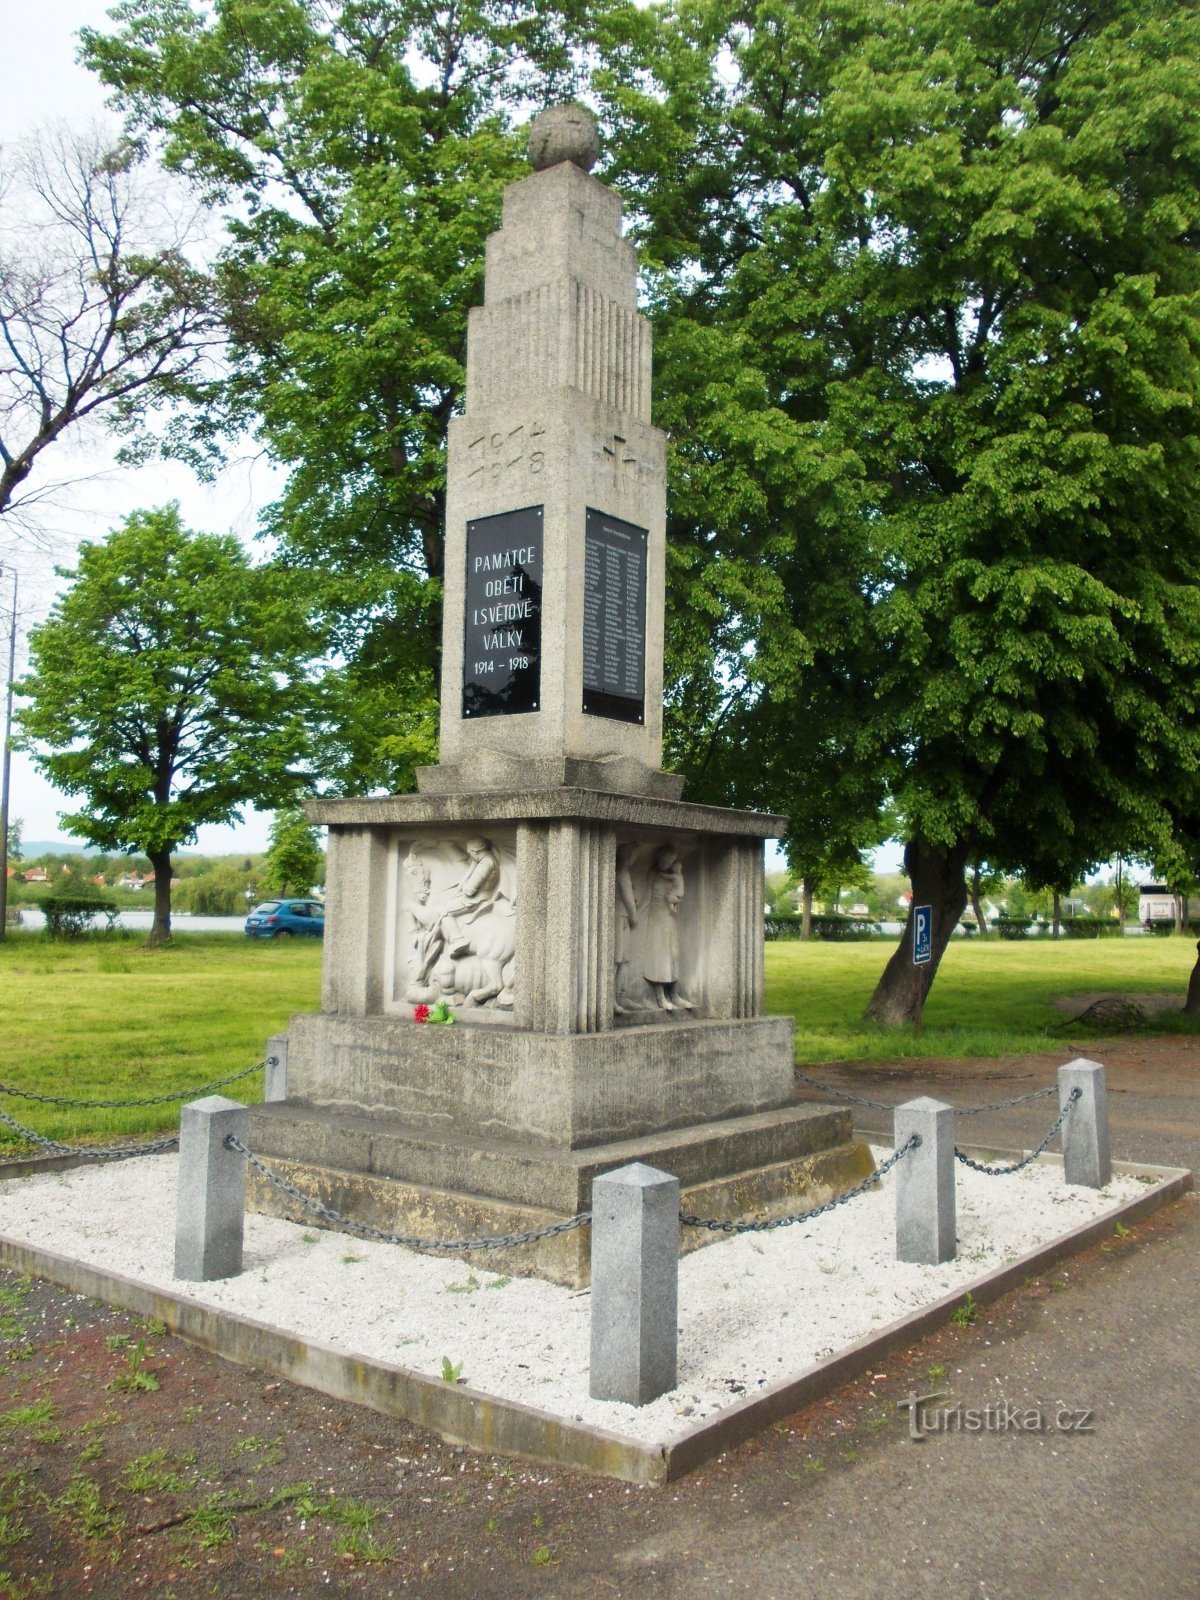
[(68, 916), (826, 928), (1091, 928)]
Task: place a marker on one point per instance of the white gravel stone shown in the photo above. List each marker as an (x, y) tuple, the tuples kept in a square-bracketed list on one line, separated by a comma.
[(753, 1310)]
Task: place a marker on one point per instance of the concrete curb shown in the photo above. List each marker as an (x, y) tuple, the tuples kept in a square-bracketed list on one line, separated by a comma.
[(484, 1422), (453, 1411)]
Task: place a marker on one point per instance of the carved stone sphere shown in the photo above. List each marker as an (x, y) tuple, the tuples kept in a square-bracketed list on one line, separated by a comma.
[(563, 133)]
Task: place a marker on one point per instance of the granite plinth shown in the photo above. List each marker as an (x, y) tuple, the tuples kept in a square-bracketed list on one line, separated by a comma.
[(806, 1156), (567, 1089), (525, 1174), (496, 772)]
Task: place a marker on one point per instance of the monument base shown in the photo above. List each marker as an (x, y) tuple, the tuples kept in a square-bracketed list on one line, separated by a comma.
[(403, 1179)]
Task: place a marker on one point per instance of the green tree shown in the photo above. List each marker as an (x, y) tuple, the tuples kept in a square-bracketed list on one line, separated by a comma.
[(294, 860), (362, 150), (167, 688), (947, 251), (227, 890)]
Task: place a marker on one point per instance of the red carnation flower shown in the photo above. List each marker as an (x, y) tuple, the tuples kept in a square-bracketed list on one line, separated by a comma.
[(420, 1013)]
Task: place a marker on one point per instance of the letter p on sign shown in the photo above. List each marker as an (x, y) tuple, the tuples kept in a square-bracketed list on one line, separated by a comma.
[(922, 935)]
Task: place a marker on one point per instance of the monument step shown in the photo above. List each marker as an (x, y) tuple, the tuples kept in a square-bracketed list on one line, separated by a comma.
[(530, 1174), (395, 1206)]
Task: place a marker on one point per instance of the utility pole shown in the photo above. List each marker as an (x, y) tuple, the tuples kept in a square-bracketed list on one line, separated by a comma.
[(12, 663)]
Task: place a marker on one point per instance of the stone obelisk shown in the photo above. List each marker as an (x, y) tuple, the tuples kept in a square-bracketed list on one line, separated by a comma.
[(598, 942)]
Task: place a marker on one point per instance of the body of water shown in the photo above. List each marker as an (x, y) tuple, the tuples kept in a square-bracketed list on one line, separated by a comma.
[(142, 921)]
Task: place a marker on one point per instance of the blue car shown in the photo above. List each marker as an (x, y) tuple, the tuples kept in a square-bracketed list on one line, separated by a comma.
[(280, 919)]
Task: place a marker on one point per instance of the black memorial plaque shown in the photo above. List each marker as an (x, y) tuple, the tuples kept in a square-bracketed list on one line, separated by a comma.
[(614, 618), (502, 642)]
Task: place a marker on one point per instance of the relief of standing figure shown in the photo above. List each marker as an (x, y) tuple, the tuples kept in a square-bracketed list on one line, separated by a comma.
[(661, 952), (627, 918)]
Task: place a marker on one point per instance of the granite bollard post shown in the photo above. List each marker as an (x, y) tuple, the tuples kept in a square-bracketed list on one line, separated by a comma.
[(925, 1214), (1086, 1156), (635, 1284), (275, 1072), (210, 1206)]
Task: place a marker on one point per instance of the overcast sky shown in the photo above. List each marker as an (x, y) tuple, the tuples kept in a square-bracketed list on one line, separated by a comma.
[(40, 82)]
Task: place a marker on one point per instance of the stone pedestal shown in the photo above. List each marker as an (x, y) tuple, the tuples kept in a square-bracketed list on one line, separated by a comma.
[(598, 940)]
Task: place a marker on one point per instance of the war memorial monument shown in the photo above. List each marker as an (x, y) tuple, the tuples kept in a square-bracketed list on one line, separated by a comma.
[(598, 940)]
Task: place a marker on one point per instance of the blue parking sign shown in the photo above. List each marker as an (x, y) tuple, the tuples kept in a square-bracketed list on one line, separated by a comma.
[(922, 935)]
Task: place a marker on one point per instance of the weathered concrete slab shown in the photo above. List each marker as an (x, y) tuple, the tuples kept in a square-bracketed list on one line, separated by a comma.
[(416, 1211), (539, 1175), (565, 1089)]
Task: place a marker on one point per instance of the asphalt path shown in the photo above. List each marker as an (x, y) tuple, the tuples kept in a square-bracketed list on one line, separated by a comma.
[(1004, 1512), (1153, 1089)]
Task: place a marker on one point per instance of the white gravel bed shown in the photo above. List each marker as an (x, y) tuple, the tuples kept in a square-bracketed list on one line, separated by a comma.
[(753, 1309)]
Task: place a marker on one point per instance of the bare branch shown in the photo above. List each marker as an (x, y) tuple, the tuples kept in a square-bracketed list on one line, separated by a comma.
[(100, 307)]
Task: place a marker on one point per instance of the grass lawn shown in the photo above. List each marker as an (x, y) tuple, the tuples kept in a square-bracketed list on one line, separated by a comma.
[(991, 998), (107, 1017)]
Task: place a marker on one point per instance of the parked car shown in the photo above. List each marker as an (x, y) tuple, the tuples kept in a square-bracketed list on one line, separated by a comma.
[(280, 919)]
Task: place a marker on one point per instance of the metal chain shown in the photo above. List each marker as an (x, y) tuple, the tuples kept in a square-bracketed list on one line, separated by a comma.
[(841, 1094), (1019, 1166), (1003, 1105), (320, 1208), (959, 1111), (91, 1152), (150, 1100), (714, 1225)]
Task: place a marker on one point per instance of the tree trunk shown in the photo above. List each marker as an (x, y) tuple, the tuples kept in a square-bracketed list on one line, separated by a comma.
[(1056, 913), (938, 880), (1191, 1005), (160, 932), (1180, 915), (977, 903), (806, 900)]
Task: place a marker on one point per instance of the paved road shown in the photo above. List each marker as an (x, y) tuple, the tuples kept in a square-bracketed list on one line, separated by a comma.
[(991, 1515), (1153, 1086)]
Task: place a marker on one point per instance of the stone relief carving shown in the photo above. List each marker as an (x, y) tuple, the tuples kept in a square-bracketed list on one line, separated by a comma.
[(650, 888), (627, 917), (457, 934)]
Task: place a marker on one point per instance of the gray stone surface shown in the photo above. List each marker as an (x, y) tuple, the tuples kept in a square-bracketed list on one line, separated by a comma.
[(275, 1076), (525, 1174), (543, 805), (1087, 1158), (488, 771), (557, 417), (210, 1205), (555, 1089), (925, 1210), (395, 1205), (564, 133), (635, 1284)]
